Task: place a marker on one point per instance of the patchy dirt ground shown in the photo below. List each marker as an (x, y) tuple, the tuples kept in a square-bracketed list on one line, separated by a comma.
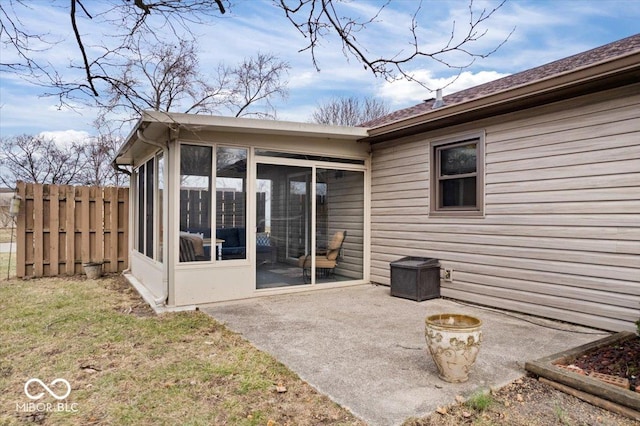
[(528, 402), (129, 366), (525, 402)]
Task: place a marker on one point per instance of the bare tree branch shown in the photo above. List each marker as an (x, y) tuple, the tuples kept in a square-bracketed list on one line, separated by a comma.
[(83, 53), (258, 79), (134, 20), (130, 21), (315, 19), (351, 111), (167, 77)]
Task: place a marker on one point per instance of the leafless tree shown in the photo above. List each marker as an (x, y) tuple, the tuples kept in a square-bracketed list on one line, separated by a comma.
[(6, 220), (256, 81), (39, 160), (160, 77), (131, 20), (167, 77), (98, 156), (350, 111)]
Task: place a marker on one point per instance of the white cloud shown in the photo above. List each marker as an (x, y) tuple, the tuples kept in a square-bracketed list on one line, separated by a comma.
[(64, 138), (22, 112), (302, 79), (403, 92), (300, 114)]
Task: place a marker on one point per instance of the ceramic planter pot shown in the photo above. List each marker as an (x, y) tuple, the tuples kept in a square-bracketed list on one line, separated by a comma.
[(93, 270), (454, 342)]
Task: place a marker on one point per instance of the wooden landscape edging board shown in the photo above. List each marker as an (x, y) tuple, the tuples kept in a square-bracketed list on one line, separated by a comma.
[(546, 368)]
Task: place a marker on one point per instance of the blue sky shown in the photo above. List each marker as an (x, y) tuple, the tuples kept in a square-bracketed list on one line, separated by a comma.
[(544, 31)]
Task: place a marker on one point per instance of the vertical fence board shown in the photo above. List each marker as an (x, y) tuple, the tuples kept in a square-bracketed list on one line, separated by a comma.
[(46, 222), (70, 227), (29, 250), (113, 229), (38, 230), (84, 225), (21, 236), (98, 224), (54, 229)]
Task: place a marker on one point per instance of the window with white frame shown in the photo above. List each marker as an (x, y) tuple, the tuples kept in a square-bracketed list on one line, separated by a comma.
[(146, 208), (212, 230), (457, 176)]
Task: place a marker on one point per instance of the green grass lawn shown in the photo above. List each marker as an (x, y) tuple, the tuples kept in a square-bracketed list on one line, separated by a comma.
[(127, 365), (5, 235), (6, 267)]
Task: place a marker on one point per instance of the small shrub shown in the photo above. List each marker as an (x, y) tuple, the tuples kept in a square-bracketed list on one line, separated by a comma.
[(479, 401)]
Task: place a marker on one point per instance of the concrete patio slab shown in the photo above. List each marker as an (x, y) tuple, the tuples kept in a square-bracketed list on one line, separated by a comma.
[(366, 350)]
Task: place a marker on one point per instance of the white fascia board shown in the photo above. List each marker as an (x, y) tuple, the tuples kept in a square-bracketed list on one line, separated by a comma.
[(196, 123)]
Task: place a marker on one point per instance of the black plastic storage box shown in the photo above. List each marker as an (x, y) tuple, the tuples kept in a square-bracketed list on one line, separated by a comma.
[(415, 278)]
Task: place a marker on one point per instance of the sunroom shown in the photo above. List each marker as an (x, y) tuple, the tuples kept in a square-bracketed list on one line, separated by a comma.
[(228, 208)]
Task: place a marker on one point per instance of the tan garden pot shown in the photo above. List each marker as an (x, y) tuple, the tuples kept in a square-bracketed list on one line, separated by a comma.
[(93, 270), (454, 342)]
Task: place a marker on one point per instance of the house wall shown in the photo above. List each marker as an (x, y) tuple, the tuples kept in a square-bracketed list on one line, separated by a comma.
[(560, 235)]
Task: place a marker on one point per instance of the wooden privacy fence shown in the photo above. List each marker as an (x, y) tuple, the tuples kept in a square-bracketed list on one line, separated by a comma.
[(230, 209), (60, 227)]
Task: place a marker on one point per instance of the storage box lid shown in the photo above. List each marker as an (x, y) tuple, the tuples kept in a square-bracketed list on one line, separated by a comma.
[(415, 262)]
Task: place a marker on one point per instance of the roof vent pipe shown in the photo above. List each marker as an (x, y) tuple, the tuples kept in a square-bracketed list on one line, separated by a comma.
[(439, 102)]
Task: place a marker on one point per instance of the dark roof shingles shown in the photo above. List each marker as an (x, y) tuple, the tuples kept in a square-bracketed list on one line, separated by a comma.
[(608, 51)]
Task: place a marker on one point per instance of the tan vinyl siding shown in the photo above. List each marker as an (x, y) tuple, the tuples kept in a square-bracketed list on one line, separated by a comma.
[(560, 236)]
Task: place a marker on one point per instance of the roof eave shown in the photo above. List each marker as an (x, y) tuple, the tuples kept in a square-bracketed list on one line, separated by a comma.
[(206, 123), (120, 157), (154, 122)]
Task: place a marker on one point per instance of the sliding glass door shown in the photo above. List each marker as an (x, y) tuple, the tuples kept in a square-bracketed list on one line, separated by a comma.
[(283, 218), (299, 206)]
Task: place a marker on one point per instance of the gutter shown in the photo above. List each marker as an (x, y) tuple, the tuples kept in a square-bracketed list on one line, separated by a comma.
[(118, 168), (127, 144), (141, 137)]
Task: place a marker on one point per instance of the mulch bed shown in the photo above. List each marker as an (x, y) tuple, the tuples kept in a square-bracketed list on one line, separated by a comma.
[(621, 359)]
